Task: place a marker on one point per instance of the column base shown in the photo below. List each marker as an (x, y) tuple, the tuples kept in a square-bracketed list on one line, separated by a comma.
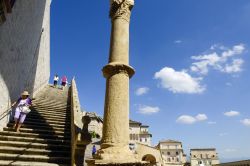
[(116, 156), (116, 163)]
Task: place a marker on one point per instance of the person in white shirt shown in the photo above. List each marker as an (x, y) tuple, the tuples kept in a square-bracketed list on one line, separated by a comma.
[(56, 79)]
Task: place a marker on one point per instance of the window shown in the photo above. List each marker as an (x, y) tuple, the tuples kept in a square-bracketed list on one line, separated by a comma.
[(168, 153), (140, 140), (177, 153), (177, 159), (194, 156), (130, 136), (200, 162), (146, 140), (201, 155), (137, 137), (168, 159)]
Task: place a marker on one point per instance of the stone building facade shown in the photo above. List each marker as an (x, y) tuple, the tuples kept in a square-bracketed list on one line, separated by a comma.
[(172, 153), (24, 50), (139, 133), (95, 126), (204, 157)]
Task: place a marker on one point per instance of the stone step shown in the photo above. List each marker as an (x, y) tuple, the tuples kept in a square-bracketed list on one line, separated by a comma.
[(49, 102), (51, 110), (39, 158), (30, 139), (35, 135), (47, 114), (49, 118), (58, 121), (46, 125), (30, 163), (57, 113), (33, 151), (51, 128), (64, 147), (39, 131), (50, 107)]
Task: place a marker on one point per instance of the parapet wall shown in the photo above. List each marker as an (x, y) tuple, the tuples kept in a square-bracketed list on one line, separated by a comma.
[(24, 51)]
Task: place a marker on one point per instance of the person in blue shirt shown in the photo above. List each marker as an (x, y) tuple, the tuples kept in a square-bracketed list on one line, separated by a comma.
[(93, 150)]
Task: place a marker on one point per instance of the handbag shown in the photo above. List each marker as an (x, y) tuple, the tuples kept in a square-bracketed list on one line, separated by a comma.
[(25, 109)]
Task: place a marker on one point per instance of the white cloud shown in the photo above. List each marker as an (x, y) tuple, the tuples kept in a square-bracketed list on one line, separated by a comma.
[(231, 113), (219, 60), (245, 122), (148, 110), (235, 67), (179, 81), (201, 117), (211, 123), (223, 134), (141, 91), (177, 41), (230, 150), (187, 119)]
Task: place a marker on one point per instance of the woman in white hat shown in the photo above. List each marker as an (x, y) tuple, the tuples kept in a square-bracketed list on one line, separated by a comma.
[(22, 109)]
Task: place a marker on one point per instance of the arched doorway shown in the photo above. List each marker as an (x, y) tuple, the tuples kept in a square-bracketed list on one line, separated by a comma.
[(150, 158)]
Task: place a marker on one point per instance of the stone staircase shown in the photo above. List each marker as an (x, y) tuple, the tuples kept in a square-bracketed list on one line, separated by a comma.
[(44, 138)]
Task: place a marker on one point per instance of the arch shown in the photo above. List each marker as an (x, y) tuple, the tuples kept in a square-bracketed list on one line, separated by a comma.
[(150, 158)]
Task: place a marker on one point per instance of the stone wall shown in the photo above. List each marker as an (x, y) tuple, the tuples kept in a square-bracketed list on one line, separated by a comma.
[(24, 51), (143, 151)]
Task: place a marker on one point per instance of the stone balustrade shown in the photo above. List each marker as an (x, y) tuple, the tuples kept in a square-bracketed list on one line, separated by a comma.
[(80, 137)]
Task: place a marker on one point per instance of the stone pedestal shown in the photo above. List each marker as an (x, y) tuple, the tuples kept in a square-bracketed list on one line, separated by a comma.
[(114, 148)]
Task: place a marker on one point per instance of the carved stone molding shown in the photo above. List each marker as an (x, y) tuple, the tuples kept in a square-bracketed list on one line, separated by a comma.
[(121, 9), (116, 68)]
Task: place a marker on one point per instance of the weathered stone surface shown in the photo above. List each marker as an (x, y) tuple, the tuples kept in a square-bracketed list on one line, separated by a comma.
[(24, 51), (115, 141)]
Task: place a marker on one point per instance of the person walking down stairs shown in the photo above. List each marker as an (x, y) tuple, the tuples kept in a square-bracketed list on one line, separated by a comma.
[(22, 109), (45, 135)]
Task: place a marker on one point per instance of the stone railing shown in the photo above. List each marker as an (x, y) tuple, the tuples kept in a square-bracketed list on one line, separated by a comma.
[(80, 137)]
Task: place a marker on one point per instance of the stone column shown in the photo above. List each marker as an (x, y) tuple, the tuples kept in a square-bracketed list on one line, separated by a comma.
[(115, 140), (117, 73)]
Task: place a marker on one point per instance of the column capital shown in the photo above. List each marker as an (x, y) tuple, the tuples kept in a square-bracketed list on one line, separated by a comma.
[(116, 68), (121, 9)]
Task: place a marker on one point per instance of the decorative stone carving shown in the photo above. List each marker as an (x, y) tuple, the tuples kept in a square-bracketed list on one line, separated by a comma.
[(121, 9)]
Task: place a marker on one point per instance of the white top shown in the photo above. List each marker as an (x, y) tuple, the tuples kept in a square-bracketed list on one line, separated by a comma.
[(56, 78), (22, 102)]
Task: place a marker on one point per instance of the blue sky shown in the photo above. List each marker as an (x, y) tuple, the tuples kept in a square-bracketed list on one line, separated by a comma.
[(191, 60)]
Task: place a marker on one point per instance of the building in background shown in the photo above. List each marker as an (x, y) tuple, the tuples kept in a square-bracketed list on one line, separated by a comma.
[(204, 157), (172, 153), (95, 125), (139, 133)]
